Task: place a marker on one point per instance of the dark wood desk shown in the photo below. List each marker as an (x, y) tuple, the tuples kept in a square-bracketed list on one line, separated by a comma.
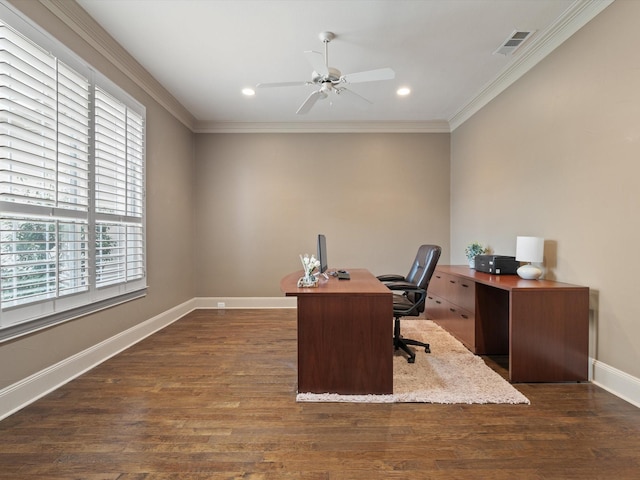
[(345, 331), (542, 325)]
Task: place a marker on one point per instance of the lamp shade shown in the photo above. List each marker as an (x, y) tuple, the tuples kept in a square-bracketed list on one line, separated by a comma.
[(529, 249)]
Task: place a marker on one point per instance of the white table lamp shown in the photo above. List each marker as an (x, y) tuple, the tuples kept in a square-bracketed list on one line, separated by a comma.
[(530, 249)]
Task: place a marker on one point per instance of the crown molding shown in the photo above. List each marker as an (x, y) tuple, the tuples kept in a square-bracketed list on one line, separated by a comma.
[(324, 127), (573, 19), (81, 23), (78, 20)]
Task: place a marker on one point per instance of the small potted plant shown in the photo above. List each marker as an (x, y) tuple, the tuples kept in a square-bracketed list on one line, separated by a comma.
[(471, 251)]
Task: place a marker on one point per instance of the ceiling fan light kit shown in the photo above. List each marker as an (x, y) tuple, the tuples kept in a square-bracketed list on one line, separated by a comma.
[(331, 80)]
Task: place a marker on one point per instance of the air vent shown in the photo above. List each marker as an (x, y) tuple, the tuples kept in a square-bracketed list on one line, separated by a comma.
[(513, 42)]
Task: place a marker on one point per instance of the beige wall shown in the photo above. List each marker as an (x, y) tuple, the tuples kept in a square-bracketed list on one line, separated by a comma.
[(557, 155), (263, 198), (169, 210)]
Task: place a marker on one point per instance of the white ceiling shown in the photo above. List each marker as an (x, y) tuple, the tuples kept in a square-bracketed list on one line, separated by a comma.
[(206, 51)]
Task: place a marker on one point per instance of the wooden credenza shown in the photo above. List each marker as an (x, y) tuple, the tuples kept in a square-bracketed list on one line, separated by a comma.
[(542, 325)]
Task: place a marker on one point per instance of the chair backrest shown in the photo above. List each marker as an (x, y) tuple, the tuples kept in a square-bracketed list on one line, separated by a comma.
[(424, 265)]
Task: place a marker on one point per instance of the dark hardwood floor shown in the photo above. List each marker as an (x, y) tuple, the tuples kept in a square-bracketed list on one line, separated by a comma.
[(213, 396)]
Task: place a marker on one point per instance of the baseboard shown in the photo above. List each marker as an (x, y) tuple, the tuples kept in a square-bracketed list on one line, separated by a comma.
[(245, 302), (28, 390), (615, 381)]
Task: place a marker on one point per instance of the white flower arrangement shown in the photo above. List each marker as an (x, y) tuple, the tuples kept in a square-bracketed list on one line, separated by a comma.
[(309, 264)]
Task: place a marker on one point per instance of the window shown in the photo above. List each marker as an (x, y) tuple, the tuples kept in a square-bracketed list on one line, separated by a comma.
[(72, 153)]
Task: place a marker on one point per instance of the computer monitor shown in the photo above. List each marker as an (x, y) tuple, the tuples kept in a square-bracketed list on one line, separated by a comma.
[(322, 253)]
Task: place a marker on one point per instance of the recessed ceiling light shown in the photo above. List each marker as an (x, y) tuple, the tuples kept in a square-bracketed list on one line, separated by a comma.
[(403, 91), (249, 92)]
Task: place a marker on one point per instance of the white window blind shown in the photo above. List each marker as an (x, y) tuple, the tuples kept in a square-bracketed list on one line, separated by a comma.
[(118, 191), (71, 187)]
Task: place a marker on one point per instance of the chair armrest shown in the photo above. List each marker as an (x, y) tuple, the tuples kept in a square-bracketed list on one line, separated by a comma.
[(413, 300), (391, 277), (407, 286)]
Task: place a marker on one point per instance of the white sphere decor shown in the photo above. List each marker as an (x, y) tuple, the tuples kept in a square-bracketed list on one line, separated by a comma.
[(529, 272)]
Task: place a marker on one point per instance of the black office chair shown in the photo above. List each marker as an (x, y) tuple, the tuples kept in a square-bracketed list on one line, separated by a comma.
[(411, 302)]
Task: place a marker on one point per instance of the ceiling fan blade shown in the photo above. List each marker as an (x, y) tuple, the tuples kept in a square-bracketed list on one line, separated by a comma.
[(352, 95), (370, 76), (316, 59), (282, 84), (311, 101)]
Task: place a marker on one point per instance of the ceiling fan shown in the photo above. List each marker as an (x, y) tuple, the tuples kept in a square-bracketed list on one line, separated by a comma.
[(329, 79)]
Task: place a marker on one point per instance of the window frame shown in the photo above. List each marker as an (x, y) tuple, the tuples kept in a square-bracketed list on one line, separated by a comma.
[(19, 320)]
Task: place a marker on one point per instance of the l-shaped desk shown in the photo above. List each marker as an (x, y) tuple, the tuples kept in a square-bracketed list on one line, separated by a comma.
[(345, 327)]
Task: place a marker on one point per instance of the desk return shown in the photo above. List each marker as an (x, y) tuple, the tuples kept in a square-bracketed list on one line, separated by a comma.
[(542, 325)]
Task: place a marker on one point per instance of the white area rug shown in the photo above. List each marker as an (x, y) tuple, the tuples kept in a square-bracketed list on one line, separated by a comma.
[(449, 374)]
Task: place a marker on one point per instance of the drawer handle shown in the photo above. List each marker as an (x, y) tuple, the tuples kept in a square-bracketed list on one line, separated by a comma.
[(452, 309), (464, 285), (466, 317), (452, 281), (438, 302)]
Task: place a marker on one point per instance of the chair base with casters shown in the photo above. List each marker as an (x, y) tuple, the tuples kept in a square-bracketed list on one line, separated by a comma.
[(403, 306), (401, 343)]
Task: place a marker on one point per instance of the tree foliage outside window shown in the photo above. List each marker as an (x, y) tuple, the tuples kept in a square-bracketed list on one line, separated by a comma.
[(28, 267)]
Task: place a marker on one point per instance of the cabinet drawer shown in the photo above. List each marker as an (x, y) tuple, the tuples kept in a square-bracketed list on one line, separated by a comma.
[(439, 284), (457, 290), (465, 294), (462, 325), (458, 322), (435, 307)]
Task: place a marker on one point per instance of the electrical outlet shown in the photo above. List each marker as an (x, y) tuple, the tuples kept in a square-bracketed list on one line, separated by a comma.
[(221, 305)]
